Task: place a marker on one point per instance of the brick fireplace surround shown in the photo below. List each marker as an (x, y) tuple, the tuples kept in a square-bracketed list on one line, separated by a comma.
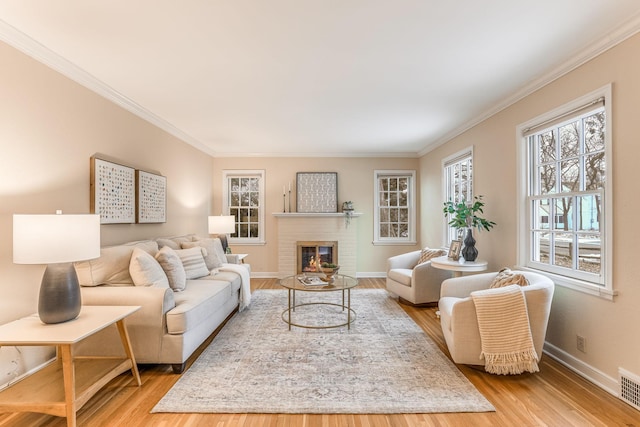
[(295, 227)]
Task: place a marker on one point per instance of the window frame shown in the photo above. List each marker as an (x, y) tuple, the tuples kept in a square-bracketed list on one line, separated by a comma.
[(464, 155), (604, 287), (411, 205), (227, 175)]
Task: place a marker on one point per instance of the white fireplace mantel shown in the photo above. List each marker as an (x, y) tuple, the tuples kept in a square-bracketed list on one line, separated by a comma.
[(303, 226)]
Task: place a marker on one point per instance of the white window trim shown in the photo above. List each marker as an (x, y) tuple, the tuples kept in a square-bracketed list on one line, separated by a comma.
[(454, 158), (260, 173), (605, 291), (411, 240)]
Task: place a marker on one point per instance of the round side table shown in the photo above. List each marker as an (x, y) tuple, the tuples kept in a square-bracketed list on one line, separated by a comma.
[(445, 263)]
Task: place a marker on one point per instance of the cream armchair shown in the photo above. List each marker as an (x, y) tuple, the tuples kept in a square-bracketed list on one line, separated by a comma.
[(417, 284), (458, 313)]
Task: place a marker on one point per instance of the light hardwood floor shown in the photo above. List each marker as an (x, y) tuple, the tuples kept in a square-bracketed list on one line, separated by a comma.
[(553, 397)]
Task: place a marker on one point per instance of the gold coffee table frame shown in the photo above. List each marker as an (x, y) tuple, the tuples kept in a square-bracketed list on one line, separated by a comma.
[(341, 282)]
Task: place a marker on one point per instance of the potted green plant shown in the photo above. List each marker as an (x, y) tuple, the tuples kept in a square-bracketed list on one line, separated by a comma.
[(467, 215)]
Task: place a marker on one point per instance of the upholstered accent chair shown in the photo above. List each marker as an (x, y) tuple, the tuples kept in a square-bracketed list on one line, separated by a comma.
[(458, 317), (414, 282)]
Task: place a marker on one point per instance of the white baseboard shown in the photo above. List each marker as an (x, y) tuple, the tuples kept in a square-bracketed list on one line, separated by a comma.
[(371, 275), (588, 372)]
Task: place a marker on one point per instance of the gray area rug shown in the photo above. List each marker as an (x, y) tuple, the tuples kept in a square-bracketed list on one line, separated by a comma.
[(385, 364)]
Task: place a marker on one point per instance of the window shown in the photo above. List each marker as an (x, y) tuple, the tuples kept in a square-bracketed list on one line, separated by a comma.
[(566, 190), (458, 184), (395, 212), (244, 199)]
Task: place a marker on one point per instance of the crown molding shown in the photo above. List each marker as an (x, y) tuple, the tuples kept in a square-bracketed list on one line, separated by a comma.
[(626, 30), (323, 154), (46, 56), (40, 53)]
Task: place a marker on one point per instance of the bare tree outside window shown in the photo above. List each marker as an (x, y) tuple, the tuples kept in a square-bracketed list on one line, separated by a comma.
[(569, 167)]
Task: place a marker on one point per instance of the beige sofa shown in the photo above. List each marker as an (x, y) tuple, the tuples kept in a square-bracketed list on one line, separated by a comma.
[(458, 313), (171, 323)]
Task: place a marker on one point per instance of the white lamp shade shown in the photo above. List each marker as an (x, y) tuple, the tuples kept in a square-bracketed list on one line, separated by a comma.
[(222, 224), (52, 239)]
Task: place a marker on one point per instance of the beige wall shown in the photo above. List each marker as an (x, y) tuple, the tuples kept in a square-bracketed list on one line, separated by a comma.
[(355, 183), (49, 128), (610, 328)]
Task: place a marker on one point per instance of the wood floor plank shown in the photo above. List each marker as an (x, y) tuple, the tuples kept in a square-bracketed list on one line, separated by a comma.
[(553, 397)]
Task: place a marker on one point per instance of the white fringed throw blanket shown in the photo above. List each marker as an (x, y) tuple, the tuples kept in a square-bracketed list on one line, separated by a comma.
[(507, 345), (245, 284)]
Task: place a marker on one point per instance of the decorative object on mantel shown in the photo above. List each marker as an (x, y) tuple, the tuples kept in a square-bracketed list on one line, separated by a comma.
[(465, 216), (317, 192), (56, 240), (151, 197), (284, 198), (222, 225), (113, 192), (347, 208)]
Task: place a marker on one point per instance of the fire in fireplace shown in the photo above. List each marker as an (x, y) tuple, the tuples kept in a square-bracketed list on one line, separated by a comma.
[(311, 255)]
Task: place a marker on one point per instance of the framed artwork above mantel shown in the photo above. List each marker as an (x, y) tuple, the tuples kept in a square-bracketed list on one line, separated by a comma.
[(317, 192)]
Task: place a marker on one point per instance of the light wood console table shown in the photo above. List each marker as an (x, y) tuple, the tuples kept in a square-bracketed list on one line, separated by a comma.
[(63, 386)]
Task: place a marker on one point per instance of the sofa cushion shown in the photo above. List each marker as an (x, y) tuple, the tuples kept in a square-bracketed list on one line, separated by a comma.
[(227, 276), (212, 258), (401, 275), (506, 277), (196, 303), (427, 254), (112, 267), (173, 268), (146, 271), (193, 262)]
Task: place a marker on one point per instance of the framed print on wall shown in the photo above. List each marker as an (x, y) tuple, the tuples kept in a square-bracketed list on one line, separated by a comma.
[(113, 192), (317, 192), (151, 198)]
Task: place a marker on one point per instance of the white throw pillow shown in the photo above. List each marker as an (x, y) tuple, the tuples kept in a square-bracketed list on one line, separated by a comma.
[(219, 250), (193, 262), (173, 268), (211, 258), (145, 270)]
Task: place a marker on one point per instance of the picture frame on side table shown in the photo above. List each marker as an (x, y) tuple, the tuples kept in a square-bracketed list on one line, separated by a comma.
[(112, 192), (151, 198), (317, 192), (454, 250)]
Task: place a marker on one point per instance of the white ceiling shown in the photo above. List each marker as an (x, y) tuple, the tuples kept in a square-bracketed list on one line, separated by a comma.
[(324, 77)]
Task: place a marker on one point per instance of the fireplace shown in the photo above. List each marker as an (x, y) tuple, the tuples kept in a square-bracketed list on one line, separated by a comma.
[(311, 254)]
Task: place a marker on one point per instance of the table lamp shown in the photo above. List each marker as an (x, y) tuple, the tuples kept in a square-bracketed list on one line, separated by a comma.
[(222, 225), (56, 240)]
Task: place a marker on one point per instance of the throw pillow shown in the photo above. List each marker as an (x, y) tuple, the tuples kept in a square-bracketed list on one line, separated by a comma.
[(427, 254), (193, 262), (219, 251), (507, 277), (167, 242), (145, 270), (212, 258), (173, 268)]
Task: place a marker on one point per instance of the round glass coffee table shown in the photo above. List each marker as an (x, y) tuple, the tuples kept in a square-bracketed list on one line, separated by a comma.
[(308, 283)]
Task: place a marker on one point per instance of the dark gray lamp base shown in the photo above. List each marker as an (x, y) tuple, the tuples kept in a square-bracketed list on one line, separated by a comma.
[(60, 299)]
